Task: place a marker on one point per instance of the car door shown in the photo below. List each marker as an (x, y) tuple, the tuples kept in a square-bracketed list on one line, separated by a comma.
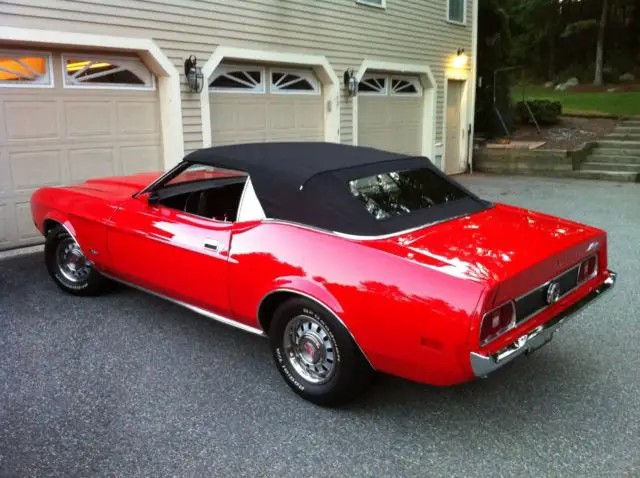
[(172, 253)]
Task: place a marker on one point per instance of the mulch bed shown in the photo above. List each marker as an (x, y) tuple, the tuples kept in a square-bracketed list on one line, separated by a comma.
[(570, 133)]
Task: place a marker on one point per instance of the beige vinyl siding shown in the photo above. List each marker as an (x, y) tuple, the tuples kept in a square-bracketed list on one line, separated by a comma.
[(407, 31)]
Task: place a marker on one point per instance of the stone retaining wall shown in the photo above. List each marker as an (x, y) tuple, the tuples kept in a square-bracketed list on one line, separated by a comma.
[(529, 161)]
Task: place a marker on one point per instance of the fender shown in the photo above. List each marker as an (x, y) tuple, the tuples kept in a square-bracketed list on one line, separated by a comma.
[(316, 293), (58, 218)]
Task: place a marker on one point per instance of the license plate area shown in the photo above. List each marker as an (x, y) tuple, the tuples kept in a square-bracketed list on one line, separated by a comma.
[(538, 344)]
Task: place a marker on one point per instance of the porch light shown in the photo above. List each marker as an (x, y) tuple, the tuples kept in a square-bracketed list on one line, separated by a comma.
[(350, 83), (195, 79), (460, 60)]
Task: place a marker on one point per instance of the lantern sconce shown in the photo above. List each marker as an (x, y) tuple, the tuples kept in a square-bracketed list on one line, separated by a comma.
[(460, 60), (195, 79), (350, 83)]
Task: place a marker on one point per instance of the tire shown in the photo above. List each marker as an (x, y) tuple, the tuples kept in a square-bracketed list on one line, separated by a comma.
[(316, 355), (69, 268)]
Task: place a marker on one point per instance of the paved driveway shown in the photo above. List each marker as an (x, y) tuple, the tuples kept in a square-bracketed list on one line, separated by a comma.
[(130, 385)]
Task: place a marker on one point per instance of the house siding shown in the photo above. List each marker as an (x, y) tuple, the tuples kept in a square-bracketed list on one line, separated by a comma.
[(407, 31)]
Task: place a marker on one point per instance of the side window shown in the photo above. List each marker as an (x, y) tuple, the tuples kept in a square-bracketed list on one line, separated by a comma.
[(106, 72), (456, 11), (238, 79), (25, 69), (204, 191)]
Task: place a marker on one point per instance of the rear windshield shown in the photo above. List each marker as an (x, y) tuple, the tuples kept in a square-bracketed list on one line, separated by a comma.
[(398, 193)]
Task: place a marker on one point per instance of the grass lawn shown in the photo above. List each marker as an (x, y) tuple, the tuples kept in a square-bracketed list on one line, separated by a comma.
[(586, 103)]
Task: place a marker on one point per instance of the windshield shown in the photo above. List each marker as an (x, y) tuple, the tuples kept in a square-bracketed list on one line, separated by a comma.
[(401, 192), (201, 172)]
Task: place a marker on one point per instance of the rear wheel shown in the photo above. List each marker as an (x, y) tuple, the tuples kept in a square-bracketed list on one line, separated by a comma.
[(316, 355), (68, 266)]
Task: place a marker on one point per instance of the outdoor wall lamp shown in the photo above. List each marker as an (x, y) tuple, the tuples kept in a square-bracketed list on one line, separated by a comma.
[(195, 79), (350, 83), (460, 60)]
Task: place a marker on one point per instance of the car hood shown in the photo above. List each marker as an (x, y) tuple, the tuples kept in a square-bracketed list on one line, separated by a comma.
[(497, 244), (117, 187)]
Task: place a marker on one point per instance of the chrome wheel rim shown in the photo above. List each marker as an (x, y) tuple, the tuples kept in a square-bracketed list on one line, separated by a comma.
[(71, 262), (309, 349)]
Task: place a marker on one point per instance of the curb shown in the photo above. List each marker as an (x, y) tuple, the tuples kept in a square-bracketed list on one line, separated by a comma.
[(23, 251)]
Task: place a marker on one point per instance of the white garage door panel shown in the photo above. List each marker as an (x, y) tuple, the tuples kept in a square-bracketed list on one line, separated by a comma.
[(63, 135), (388, 120), (139, 159), (258, 114), (41, 117), (101, 163)]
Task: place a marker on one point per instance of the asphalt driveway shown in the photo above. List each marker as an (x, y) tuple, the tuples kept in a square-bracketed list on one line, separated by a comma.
[(130, 385)]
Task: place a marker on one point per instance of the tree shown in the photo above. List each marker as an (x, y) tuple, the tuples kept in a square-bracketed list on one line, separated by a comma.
[(598, 79)]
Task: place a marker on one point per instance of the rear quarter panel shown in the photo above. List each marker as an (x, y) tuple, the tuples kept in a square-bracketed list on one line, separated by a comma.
[(410, 320)]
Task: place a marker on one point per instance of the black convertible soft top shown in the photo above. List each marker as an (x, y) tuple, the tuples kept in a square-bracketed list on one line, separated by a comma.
[(307, 182)]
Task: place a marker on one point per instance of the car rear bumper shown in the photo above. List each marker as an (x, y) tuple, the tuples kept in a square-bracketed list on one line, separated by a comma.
[(483, 365)]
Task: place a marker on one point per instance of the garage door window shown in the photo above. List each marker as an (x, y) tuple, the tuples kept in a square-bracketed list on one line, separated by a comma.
[(238, 79), (405, 87), (25, 69), (298, 82), (106, 72), (373, 85)]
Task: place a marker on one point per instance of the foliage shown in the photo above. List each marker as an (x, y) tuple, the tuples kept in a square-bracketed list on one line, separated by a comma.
[(494, 51), (551, 36), (545, 111), (600, 103)]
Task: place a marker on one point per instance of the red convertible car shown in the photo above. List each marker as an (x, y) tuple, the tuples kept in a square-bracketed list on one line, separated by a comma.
[(350, 260)]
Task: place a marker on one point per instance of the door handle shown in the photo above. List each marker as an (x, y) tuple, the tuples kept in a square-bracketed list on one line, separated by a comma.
[(212, 244)]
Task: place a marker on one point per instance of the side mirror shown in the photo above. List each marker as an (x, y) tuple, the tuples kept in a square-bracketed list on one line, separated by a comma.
[(153, 199)]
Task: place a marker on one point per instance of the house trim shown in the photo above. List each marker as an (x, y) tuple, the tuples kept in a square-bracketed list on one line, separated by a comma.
[(167, 75), (320, 65), (464, 115), (429, 94)]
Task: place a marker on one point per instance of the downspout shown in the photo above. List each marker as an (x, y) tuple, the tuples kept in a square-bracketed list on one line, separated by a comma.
[(474, 79)]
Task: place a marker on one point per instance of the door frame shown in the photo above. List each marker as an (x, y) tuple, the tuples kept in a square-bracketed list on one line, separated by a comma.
[(168, 78), (463, 146)]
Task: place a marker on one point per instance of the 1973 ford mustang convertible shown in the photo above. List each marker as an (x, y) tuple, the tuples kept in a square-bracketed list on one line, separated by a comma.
[(351, 260)]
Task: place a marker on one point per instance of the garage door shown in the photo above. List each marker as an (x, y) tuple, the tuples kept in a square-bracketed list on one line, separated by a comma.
[(251, 103), (66, 117), (390, 112)]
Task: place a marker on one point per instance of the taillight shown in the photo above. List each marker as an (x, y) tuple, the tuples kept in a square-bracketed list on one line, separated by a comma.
[(497, 322), (588, 269)]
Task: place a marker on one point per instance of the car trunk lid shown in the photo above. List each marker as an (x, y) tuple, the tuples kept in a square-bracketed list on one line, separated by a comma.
[(514, 248)]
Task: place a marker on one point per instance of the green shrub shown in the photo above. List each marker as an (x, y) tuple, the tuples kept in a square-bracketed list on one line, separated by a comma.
[(545, 111)]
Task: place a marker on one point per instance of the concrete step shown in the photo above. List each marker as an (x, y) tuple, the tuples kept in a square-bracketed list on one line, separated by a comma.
[(606, 175), (615, 143), (593, 165), (626, 130), (615, 136), (614, 152), (613, 159)]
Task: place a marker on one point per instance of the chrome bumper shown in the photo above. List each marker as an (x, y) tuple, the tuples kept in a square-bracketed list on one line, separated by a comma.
[(483, 365)]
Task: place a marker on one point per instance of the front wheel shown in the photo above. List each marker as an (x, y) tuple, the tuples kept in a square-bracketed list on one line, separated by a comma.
[(68, 266), (316, 355)]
